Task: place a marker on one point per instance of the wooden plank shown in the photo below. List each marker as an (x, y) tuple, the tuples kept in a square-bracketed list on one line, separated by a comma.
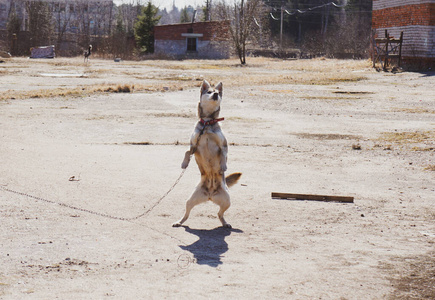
[(382, 40), (312, 197), (400, 49)]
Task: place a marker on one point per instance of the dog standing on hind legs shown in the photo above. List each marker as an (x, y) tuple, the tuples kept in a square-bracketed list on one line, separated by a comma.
[(87, 53), (210, 148)]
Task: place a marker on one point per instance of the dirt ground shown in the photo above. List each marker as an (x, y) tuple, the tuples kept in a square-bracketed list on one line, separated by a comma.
[(85, 148)]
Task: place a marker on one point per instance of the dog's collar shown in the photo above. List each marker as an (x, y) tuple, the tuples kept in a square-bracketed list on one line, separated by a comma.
[(211, 122)]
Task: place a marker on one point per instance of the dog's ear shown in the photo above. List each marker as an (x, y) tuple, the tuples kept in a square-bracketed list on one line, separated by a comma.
[(205, 86), (219, 88)]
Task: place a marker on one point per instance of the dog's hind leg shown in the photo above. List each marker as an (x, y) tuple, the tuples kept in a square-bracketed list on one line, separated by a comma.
[(197, 197), (222, 198)]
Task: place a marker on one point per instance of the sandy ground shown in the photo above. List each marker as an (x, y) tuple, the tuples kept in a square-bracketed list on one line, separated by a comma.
[(325, 127)]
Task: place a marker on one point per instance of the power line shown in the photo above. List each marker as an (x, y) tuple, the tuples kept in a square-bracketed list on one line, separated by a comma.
[(295, 11), (303, 11)]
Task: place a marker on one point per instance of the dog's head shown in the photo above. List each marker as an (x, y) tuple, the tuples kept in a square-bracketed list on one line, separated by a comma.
[(210, 100)]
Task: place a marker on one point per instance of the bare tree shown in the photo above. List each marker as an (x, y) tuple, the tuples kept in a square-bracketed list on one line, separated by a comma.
[(84, 23), (102, 15), (129, 13), (242, 15), (40, 23), (206, 10), (62, 15), (13, 28)]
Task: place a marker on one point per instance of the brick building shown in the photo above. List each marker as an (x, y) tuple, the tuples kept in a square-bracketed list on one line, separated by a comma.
[(206, 40), (416, 18)]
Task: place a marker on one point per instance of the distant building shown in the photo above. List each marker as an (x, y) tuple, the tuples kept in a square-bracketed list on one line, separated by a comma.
[(75, 24), (69, 15), (4, 13), (205, 40), (416, 18)]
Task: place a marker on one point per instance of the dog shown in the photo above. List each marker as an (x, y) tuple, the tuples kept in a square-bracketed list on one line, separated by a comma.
[(87, 53), (210, 148)]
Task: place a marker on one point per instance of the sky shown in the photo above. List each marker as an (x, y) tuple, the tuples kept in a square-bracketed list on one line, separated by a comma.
[(164, 3)]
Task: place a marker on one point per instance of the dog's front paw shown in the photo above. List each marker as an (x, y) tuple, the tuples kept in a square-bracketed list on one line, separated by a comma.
[(226, 225), (223, 165), (186, 160), (223, 169), (184, 164), (176, 224)]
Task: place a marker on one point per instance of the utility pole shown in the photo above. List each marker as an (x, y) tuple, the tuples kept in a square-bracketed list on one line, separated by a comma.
[(281, 21)]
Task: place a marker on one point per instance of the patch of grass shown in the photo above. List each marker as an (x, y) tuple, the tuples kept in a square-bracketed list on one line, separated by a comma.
[(319, 136), (172, 115), (412, 141), (120, 89), (345, 78), (204, 66), (253, 145), (243, 119), (405, 138), (328, 98), (92, 89), (164, 75), (138, 143), (176, 143), (279, 91), (417, 110), (423, 148), (181, 78), (42, 93), (353, 93), (311, 78)]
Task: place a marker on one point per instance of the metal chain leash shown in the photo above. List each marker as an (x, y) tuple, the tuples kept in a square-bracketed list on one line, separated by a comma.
[(95, 212), (104, 214)]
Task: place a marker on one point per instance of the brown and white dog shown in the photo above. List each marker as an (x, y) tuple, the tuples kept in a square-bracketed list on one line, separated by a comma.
[(210, 148)]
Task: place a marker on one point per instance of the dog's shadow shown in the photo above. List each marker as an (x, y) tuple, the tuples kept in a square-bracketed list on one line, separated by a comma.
[(211, 245)]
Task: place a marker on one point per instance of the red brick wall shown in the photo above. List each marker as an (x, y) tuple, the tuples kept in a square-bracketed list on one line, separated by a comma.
[(406, 15), (416, 19), (212, 31)]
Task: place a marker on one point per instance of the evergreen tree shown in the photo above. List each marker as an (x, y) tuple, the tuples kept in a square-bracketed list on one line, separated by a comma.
[(144, 28), (184, 16)]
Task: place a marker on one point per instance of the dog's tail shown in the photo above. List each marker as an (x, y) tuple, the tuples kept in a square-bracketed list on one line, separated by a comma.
[(232, 179)]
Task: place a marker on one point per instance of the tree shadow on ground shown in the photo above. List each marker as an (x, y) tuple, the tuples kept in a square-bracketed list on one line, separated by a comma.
[(210, 247)]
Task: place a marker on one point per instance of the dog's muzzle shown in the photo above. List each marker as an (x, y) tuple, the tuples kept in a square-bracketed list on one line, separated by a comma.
[(215, 96)]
